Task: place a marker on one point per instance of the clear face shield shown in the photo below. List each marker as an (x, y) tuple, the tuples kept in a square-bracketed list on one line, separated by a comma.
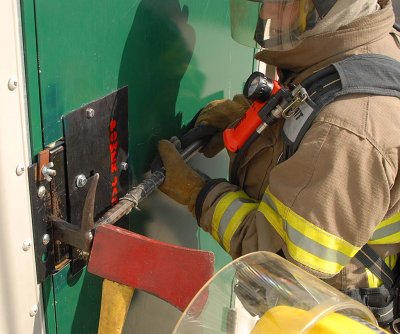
[(262, 293), (276, 25)]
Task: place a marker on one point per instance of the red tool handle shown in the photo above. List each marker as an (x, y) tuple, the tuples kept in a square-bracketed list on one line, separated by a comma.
[(235, 138)]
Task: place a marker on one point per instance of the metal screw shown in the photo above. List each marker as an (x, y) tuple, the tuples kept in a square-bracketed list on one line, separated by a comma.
[(41, 191), (12, 83), (48, 172), (26, 245), (34, 310), (46, 239), (90, 112), (81, 180), (124, 165), (20, 169)]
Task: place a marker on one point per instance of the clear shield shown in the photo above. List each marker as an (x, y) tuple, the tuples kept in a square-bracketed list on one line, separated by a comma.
[(263, 290)]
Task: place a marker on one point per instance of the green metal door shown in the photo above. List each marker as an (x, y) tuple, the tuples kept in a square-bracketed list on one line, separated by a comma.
[(175, 56)]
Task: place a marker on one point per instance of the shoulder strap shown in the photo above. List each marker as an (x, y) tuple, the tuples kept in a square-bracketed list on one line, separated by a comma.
[(372, 261), (366, 74)]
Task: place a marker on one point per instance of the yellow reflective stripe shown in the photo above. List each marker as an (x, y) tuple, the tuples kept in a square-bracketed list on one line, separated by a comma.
[(235, 222), (273, 218), (314, 232), (375, 282), (221, 208), (387, 232), (307, 243)]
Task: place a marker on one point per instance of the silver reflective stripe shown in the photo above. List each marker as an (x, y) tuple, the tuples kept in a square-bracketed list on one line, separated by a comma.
[(229, 213), (386, 231), (307, 244), (310, 246), (270, 203)]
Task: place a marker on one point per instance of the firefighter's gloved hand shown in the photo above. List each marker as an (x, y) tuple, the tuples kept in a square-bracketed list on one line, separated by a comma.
[(181, 183), (221, 114)]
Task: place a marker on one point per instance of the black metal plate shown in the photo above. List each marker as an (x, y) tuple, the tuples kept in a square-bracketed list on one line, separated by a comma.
[(41, 208), (97, 145)]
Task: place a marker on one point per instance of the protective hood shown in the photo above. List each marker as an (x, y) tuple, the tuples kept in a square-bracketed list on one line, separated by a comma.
[(341, 14)]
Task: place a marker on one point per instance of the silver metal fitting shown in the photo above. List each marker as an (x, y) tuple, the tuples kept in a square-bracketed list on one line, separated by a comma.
[(41, 191), (46, 239), (12, 83), (48, 172), (124, 166), (80, 180), (90, 112), (20, 169)]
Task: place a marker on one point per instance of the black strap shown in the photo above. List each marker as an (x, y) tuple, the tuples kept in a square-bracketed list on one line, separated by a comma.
[(381, 301), (372, 261)]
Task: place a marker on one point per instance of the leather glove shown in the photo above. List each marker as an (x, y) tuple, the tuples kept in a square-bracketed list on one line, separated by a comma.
[(220, 114), (181, 182)]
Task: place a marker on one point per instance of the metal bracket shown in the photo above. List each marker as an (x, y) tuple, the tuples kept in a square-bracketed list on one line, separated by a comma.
[(77, 180)]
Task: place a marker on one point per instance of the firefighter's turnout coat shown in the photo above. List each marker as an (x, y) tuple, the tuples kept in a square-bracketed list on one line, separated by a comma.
[(340, 190)]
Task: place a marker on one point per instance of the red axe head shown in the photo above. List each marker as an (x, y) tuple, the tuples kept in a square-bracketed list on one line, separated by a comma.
[(172, 273)]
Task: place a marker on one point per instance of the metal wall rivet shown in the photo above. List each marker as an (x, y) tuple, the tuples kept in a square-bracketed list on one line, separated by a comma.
[(46, 239), (20, 169), (26, 245), (81, 181), (124, 165), (41, 191), (90, 112), (12, 83), (34, 310)]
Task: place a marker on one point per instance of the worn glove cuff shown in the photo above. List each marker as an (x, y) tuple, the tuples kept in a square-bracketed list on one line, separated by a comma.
[(210, 184)]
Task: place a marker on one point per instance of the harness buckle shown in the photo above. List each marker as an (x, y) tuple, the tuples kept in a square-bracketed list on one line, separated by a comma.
[(299, 96)]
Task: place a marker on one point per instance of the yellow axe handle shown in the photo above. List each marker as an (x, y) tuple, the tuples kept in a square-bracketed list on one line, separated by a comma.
[(115, 301)]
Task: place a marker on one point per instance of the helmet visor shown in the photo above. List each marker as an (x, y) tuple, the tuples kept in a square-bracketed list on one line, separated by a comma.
[(272, 24)]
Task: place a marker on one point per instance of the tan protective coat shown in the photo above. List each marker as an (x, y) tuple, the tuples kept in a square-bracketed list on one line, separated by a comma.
[(343, 178)]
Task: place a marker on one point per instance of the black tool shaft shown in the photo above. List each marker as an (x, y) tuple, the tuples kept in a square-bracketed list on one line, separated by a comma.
[(132, 199)]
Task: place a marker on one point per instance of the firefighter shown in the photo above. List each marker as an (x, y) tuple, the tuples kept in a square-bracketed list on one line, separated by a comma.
[(340, 190)]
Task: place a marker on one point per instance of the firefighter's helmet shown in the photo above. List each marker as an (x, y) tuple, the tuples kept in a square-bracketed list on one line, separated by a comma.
[(264, 293), (277, 25)]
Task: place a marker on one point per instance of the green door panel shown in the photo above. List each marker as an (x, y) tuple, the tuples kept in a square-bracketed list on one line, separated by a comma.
[(77, 301), (175, 56)]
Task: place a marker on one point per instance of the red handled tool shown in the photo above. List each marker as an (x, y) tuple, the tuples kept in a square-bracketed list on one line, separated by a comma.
[(259, 89)]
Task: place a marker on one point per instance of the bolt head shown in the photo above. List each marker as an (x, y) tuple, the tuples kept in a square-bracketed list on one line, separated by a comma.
[(12, 83), (34, 310), (41, 191), (90, 112), (124, 166), (20, 169), (46, 239), (26, 245), (81, 181)]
